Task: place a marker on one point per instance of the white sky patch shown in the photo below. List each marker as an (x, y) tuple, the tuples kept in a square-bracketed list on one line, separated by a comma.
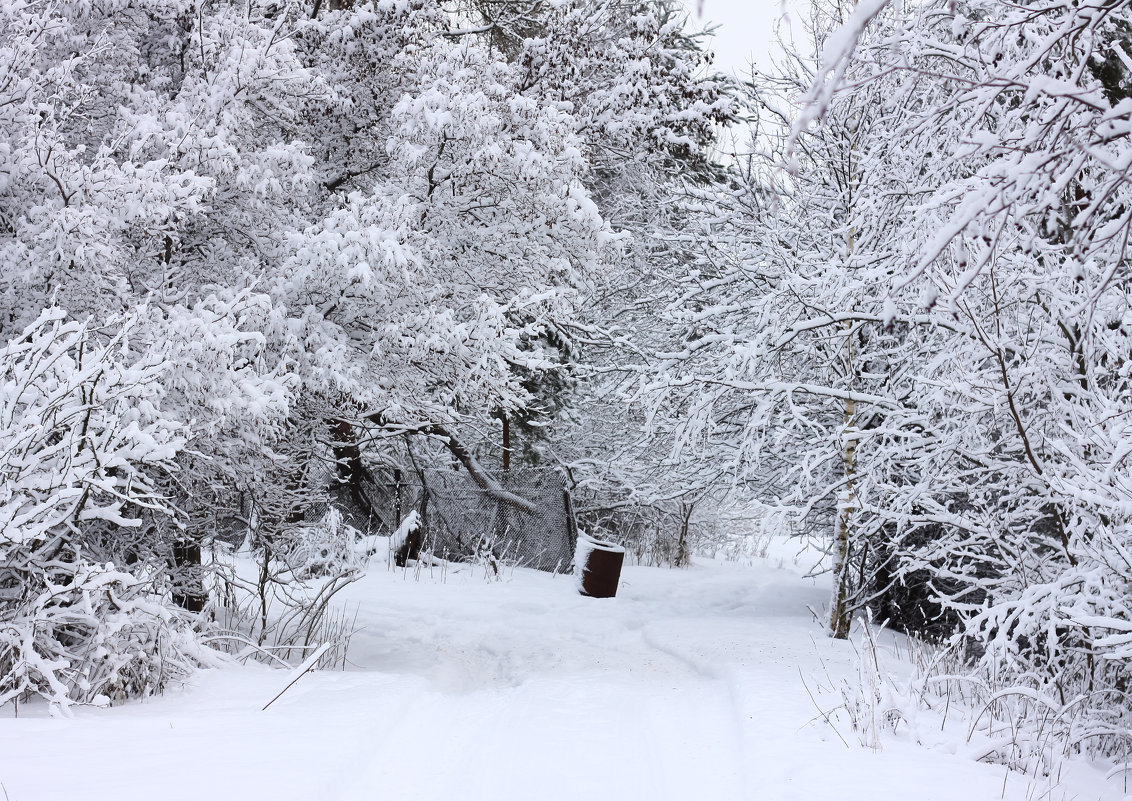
[(747, 30)]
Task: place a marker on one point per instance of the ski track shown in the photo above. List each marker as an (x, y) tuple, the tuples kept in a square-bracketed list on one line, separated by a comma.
[(684, 687)]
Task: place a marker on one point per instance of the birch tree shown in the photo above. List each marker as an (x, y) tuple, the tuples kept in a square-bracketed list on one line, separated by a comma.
[(1015, 244)]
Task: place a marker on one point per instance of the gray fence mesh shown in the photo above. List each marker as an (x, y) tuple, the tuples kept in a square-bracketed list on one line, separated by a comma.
[(386, 496), (529, 524)]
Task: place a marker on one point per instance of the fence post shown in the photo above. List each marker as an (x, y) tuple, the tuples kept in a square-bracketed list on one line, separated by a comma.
[(397, 492)]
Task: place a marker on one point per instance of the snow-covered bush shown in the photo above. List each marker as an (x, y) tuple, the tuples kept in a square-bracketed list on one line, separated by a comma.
[(81, 441), (103, 636), (325, 548)]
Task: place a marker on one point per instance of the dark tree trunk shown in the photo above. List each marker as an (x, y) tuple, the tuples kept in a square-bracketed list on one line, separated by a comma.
[(352, 473), (347, 453), (506, 441), (188, 576)]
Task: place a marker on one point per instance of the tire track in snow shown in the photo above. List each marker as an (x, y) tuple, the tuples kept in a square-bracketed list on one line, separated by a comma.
[(725, 680)]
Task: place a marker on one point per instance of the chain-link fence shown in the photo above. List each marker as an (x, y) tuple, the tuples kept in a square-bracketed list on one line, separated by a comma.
[(523, 517), (526, 520), (379, 501)]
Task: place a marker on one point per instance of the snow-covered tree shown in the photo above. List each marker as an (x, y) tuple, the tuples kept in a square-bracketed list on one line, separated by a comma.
[(990, 231), (82, 445)]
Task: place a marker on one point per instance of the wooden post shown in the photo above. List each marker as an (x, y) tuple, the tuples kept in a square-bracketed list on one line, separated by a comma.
[(506, 440)]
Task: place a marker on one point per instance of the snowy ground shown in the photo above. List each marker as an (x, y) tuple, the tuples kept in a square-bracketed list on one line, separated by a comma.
[(689, 685)]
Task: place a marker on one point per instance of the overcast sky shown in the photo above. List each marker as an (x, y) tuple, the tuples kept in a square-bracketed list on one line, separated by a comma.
[(746, 29)]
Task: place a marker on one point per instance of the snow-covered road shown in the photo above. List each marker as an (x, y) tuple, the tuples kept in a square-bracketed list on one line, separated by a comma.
[(689, 685)]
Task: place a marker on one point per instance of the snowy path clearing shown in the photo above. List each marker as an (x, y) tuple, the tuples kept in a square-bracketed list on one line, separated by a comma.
[(687, 686)]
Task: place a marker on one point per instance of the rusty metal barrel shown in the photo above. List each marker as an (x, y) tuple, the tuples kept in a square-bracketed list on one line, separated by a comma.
[(597, 566)]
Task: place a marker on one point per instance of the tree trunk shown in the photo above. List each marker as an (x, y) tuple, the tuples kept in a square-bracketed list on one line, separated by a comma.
[(683, 557), (839, 607), (188, 576), (351, 470), (506, 441), (839, 616)]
